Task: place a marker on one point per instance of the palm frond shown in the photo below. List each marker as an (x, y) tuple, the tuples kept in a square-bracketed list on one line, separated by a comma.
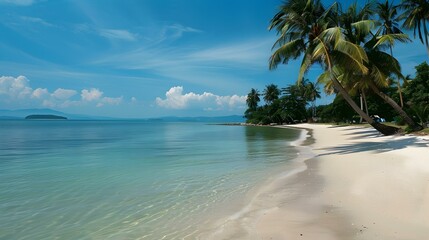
[(287, 51), (363, 27), (356, 54), (305, 65), (391, 38)]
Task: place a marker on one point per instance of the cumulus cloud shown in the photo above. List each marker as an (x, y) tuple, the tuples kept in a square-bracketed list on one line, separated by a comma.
[(91, 95), (40, 93), (18, 90), (15, 88), (176, 99), (63, 94)]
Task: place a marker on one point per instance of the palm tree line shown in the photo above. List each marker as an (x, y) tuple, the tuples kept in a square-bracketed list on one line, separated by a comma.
[(285, 105), (351, 45)]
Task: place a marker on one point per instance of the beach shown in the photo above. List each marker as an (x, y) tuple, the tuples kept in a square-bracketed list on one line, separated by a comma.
[(348, 183)]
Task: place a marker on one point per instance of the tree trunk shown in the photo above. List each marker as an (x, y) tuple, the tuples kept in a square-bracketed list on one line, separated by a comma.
[(398, 109), (361, 107), (365, 103), (383, 129), (400, 93)]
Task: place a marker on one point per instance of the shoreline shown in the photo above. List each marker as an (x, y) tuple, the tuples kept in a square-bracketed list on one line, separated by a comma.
[(358, 185), (239, 224)]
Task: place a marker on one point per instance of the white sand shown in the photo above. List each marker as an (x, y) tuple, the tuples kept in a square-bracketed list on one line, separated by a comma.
[(360, 185)]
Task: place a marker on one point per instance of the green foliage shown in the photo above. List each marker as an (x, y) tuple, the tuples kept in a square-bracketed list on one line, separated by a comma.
[(417, 90), (417, 94), (287, 106)]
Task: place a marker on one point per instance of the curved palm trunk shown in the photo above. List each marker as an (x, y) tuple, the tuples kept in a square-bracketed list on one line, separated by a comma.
[(394, 105), (399, 82), (400, 93), (383, 129)]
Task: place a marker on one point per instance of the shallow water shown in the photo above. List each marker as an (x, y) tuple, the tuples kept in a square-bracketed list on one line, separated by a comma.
[(129, 179)]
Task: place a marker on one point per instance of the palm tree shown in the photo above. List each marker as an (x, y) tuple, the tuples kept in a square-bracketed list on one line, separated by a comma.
[(253, 99), (380, 64), (311, 93), (387, 15), (271, 93), (327, 46), (297, 23), (416, 16)]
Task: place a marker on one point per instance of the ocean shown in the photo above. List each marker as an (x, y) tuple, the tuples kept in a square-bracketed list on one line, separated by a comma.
[(130, 179)]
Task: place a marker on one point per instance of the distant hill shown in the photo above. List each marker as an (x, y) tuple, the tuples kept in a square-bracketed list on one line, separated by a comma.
[(22, 113)]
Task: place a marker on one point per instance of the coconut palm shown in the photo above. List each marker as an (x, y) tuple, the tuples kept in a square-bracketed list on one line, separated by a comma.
[(340, 57), (380, 64), (387, 16), (416, 17), (310, 93), (253, 99), (271, 93), (297, 23), (327, 46)]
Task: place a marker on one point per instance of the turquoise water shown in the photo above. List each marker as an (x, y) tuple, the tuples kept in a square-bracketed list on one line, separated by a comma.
[(129, 179)]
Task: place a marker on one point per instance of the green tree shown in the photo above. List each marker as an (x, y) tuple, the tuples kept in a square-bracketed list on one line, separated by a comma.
[(329, 47), (298, 23), (311, 93), (416, 17), (253, 99), (417, 91), (271, 93), (387, 16)]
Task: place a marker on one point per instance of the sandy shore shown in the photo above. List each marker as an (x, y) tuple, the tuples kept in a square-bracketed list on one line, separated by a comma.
[(355, 184)]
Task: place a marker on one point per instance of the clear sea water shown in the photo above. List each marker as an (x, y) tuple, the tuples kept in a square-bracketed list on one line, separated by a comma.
[(129, 179)]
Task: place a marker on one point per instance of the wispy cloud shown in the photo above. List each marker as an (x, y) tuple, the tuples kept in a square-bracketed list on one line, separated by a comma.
[(18, 2), (37, 21), (249, 54), (117, 34), (176, 31)]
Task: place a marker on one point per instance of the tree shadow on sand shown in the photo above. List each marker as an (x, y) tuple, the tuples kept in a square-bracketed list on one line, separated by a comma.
[(378, 147)]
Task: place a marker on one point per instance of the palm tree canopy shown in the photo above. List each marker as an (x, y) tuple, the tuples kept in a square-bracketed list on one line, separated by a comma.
[(253, 99), (387, 15), (271, 93), (297, 23), (416, 17)]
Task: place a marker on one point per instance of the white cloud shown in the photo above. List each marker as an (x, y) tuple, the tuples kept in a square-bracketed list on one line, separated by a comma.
[(36, 20), (120, 34), (112, 101), (63, 94), (176, 99), (18, 2), (18, 92), (177, 30), (91, 95), (40, 93), (15, 87)]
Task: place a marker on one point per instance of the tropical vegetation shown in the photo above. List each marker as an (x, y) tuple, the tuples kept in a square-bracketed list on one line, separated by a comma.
[(354, 47)]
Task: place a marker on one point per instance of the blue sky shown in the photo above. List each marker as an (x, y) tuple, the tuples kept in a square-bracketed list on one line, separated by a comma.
[(143, 58)]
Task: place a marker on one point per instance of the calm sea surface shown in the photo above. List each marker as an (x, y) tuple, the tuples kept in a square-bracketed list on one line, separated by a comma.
[(129, 179)]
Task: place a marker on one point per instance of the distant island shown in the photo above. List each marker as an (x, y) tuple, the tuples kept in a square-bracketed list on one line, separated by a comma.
[(45, 117)]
